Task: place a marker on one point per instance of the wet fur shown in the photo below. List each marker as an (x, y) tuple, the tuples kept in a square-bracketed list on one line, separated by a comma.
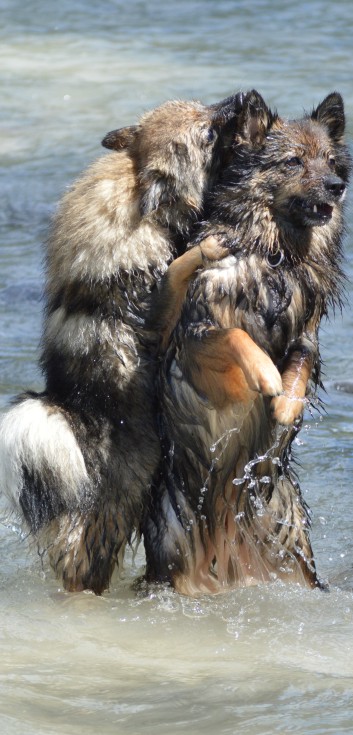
[(226, 508), (77, 461)]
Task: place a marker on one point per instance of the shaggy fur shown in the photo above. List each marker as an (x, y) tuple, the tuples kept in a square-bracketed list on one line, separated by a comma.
[(226, 509), (77, 460)]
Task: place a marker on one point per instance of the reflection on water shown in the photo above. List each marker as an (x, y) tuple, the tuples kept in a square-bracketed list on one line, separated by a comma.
[(264, 660)]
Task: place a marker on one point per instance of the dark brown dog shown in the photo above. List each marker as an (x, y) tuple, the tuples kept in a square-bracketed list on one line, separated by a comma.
[(226, 509)]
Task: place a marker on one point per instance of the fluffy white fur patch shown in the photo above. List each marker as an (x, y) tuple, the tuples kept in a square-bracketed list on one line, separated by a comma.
[(37, 437)]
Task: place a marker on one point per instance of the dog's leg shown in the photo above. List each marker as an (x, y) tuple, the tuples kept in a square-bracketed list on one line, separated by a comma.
[(167, 302), (290, 406), (83, 548), (227, 365), (288, 535)]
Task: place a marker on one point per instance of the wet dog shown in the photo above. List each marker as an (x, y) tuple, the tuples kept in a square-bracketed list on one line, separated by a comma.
[(77, 460), (226, 508)]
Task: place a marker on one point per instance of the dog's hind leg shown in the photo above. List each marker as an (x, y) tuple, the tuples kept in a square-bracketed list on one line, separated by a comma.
[(288, 541), (177, 552), (83, 548)]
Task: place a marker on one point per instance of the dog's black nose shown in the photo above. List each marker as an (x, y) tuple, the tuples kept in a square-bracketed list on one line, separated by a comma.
[(335, 185)]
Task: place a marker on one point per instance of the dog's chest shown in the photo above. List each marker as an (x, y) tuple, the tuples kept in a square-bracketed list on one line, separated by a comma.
[(269, 303)]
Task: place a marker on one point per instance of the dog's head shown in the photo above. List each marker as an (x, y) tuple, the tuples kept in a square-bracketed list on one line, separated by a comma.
[(178, 150), (298, 168)]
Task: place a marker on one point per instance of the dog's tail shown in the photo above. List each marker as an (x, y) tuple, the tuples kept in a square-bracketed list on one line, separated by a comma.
[(42, 469), (59, 471)]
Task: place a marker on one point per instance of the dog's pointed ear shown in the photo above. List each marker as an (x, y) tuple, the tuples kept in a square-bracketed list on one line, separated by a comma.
[(255, 119), (228, 109), (331, 113), (121, 138)]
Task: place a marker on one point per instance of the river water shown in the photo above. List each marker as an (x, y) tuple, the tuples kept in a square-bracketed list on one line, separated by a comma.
[(257, 661)]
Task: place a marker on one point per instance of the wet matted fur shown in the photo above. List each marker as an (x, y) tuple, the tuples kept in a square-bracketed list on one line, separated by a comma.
[(226, 508), (77, 460)]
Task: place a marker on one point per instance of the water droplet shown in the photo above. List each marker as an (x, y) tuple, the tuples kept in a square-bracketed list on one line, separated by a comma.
[(239, 516)]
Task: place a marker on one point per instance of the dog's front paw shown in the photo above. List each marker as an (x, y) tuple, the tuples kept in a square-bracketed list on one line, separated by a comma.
[(212, 249), (270, 382), (287, 410), (265, 378)]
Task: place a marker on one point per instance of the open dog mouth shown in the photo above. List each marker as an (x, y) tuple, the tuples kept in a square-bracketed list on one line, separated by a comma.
[(311, 213)]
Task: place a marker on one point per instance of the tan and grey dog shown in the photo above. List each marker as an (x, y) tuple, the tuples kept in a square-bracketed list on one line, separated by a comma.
[(77, 460), (226, 509)]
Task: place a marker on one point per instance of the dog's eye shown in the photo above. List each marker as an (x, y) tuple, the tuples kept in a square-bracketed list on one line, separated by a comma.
[(293, 162), (210, 136), (331, 161)]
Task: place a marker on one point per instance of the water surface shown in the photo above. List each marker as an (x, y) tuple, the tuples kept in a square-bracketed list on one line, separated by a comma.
[(266, 660)]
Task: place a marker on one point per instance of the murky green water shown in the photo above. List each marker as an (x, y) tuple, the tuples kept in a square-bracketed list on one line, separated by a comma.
[(257, 661)]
